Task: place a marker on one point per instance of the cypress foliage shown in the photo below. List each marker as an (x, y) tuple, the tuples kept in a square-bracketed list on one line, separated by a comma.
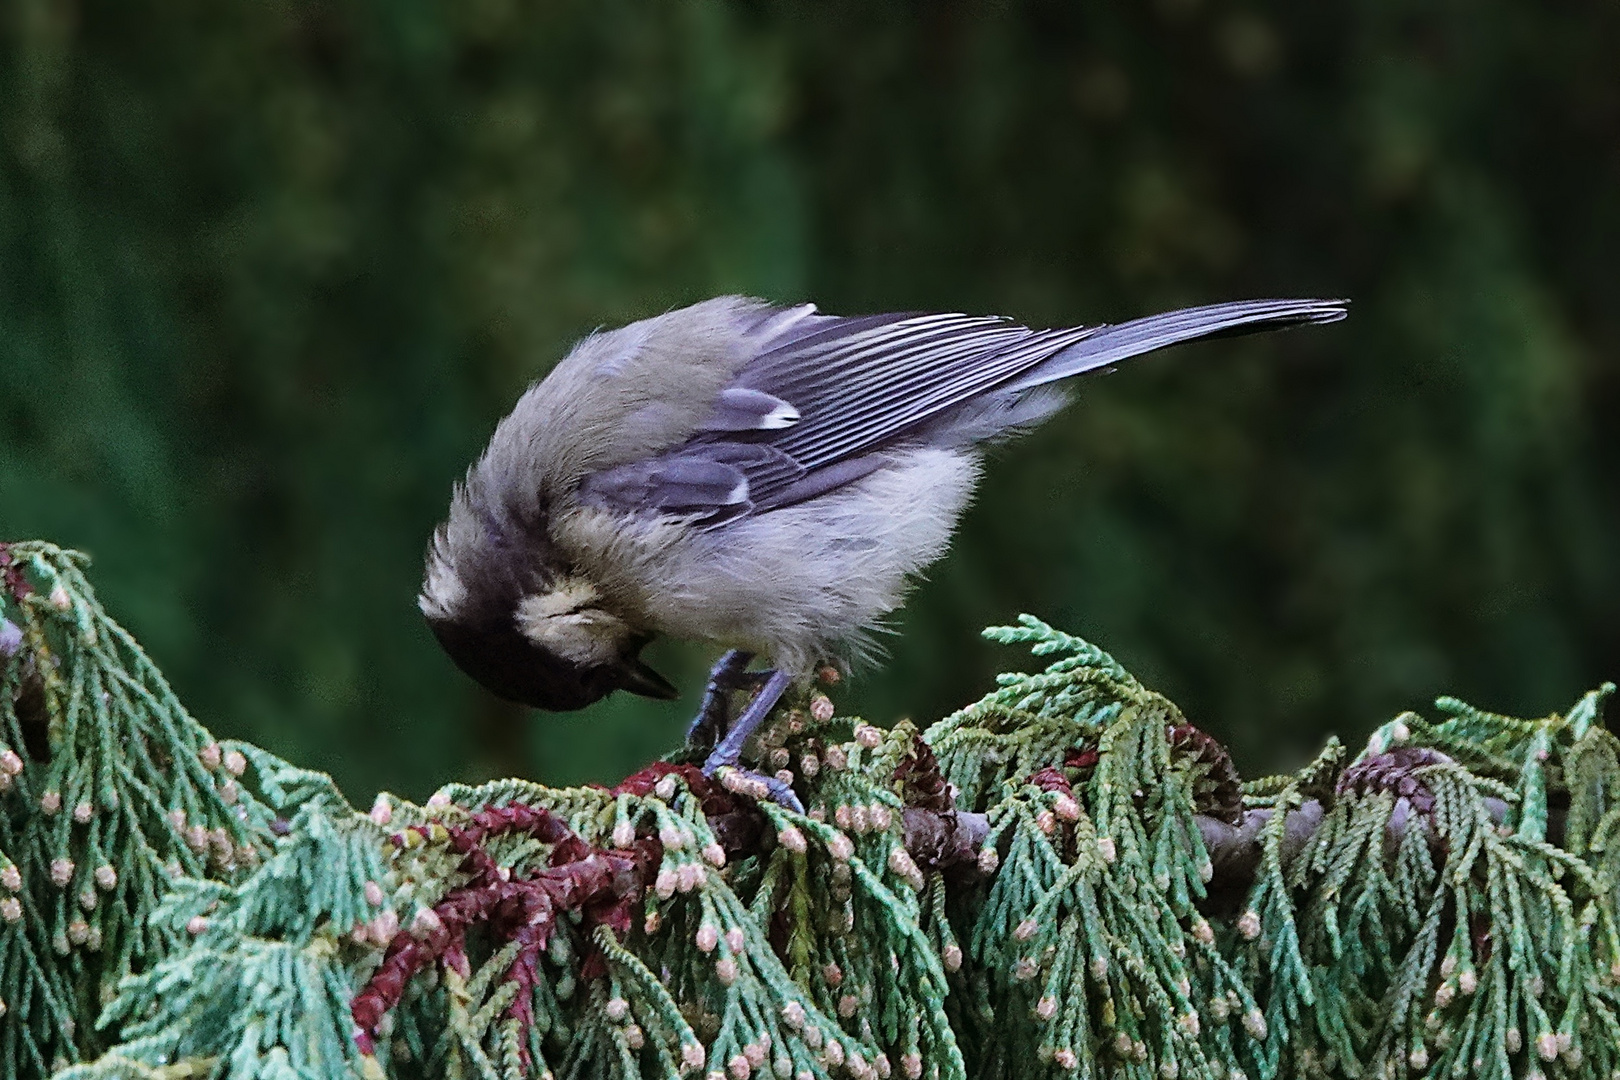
[(1064, 879)]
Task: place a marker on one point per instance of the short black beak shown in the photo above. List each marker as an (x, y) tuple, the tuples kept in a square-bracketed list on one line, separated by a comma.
[(633, 675)]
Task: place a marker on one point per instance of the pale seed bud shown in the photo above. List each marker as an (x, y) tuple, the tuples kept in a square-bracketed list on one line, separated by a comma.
[(835, 1052), (1066, 808), (653, 922), (708, 936), (988, 861), (10, 763), (617, 1009), (836, 759), (1467, 981), (624, 834), (1418, 1059), (634, 1037), (426, 924), (1046, 1008), (868, 736), (235, 763), (1203, 933), (1546, 1046), (87, 899), (882, 817), (60, 600), (1026, 929), (821, 707), (714, 854), (382, 811), (211, 755), (664, 884), (61, 872), (50, 802), (672, 837), (10, 909), (1190, 1024), (1099, 968), (1512, 1040), (755, 1051), (1254, 1022), (951, 956), (911, 1065), (78, 931), (1046, 821), (11, 877), (791, 838), (1249, 924), (1105, 848), (690, 876), (840, 847), (229, 793), (1065, 1058), (793, 1015), (1025, 968), (83, 812), (665, 788), (196, 925), (734, 939), (692, 1055), (832, 975), (739, 1068), (847, 1005), (384, 927)]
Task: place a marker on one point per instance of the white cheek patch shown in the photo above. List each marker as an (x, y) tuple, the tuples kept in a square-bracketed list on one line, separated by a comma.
[(564, 624), (568, 596)]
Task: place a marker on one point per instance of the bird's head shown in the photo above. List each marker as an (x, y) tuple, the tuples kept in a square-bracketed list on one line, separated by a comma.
[(529, 634)]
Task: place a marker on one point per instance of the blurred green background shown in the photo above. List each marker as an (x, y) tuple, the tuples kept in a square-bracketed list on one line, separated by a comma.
[(270, 272)]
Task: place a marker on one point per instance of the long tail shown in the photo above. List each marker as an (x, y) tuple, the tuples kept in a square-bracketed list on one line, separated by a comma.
[(1113, 343)]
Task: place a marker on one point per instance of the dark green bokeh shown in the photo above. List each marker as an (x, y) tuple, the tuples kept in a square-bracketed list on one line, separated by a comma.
[(270, 272)]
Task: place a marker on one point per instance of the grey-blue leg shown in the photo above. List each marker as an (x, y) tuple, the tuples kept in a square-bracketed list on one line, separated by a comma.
[(729, 750), (729, 673)]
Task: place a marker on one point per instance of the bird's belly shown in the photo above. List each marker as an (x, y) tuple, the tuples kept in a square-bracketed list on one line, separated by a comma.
[(808, 583)]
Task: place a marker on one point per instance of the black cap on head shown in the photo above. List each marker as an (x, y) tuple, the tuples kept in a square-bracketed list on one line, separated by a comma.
[(510, 666)]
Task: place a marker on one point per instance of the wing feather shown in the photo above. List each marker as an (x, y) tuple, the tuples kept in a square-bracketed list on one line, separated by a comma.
[(822, 392)]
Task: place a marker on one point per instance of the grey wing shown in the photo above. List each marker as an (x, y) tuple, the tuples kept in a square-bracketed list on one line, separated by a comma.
[(820, 393)]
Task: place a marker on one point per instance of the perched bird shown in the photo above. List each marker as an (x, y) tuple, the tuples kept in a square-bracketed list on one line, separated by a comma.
[(765, 478)]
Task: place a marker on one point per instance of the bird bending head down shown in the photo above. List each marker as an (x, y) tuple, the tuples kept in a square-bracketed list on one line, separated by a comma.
[(765, 478)]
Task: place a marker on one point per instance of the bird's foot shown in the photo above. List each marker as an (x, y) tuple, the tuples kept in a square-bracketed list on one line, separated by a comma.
[(728, 752), (728, 675)]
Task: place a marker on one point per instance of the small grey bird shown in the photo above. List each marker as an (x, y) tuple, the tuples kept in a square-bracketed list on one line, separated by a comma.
[(765, 478)]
